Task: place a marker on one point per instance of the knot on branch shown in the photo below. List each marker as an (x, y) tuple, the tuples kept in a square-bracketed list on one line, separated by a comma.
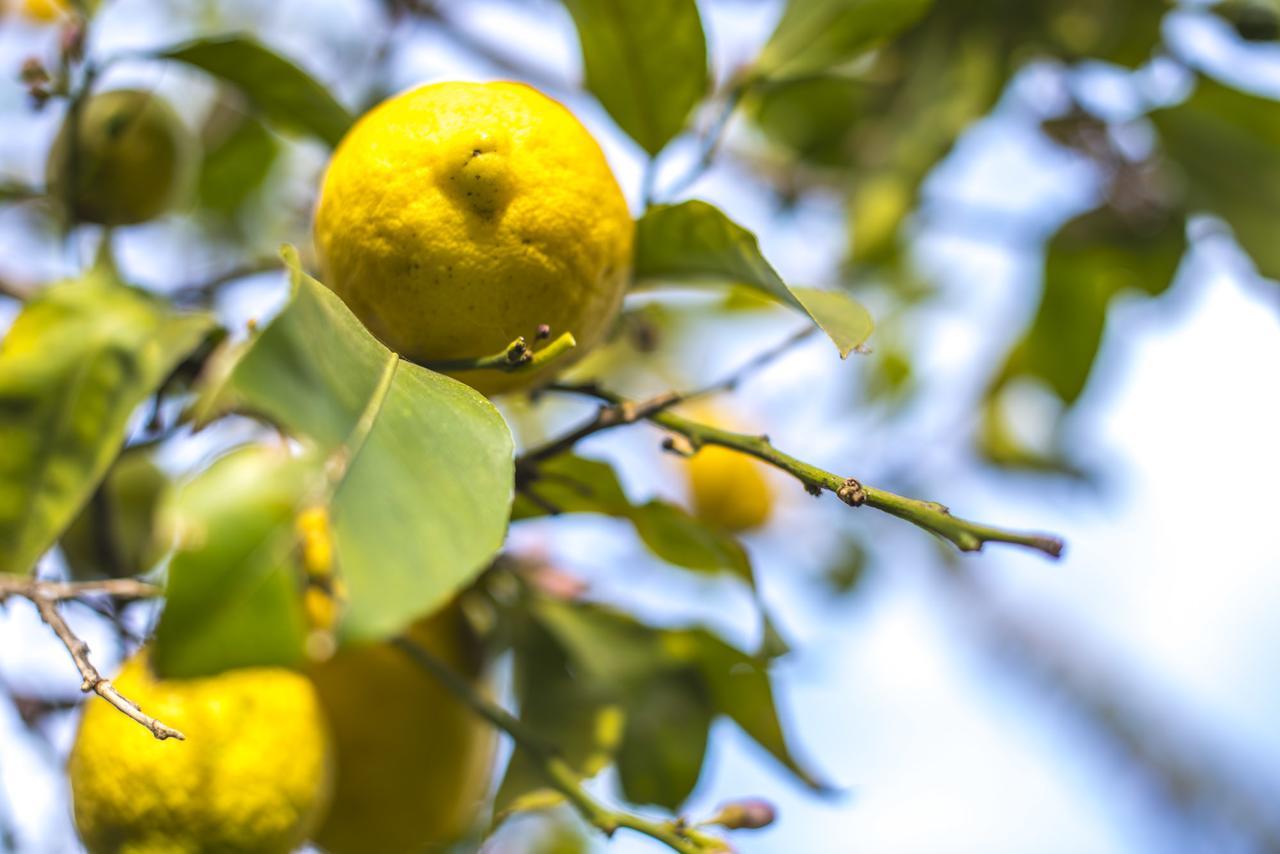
[(852, 493)]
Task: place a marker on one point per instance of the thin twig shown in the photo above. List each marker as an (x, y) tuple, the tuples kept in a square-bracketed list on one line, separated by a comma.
[(46, 595), (929, 515), (204, 291), (710, 142), (516, 356), (674, 834)]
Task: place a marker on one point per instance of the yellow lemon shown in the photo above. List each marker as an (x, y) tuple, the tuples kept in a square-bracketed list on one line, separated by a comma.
[(727, 489), (458, 216), (253, 775), (40, 11), (413, 763), (131, 159)]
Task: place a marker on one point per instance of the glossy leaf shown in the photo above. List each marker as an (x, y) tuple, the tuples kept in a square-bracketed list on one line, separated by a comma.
[(817, 35), (76, 363), (1226, 143), (646, 62), (694, 242), (234, 596), (280, 90), (420, 465)]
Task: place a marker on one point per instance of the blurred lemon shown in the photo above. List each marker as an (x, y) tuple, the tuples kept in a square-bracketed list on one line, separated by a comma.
[(458, 216), (132, 158), (727, 489), (39, 11), (413, 763), (253, 775)]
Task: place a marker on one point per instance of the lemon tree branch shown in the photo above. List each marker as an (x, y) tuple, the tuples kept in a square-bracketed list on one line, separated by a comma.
[(675, 834), (516, 356), (46, 595), (933, 517)]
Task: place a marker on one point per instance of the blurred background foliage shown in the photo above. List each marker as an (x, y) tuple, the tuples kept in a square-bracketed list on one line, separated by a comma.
[(840, 126)]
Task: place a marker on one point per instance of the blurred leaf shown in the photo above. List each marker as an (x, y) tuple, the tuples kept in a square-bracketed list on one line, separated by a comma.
[(74, 366), (1088, 262), (1091, 260), (1253, 20), (617, 651), (114, 534), (665, 741), (236, 166), (817, 35), (572, 484), (234, 596), (420, 465), (283, 92), (1227, 145), (646, 62), (569, 712), (694, 242), (739, 688)]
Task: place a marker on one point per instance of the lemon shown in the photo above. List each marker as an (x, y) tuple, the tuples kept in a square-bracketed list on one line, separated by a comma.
[(253, 775), (132, 158), (39, 11), (457, 216), (727, 489), (413, 763)]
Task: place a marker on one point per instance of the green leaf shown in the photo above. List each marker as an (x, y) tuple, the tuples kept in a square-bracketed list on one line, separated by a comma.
[(817, 35), (234, 596), (577, 716), (1088, 262), (694, 242), (1227, 145), (629, 658), (419, 465), (114, 534), (740, 689), (236, 166), (280, 90), (572, 484), (665, 741), (74, 366), (646, 62)]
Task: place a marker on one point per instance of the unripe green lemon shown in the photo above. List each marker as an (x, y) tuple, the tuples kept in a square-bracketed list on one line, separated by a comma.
[(458, 216), (132, 158), (253, 776), (413, 763)]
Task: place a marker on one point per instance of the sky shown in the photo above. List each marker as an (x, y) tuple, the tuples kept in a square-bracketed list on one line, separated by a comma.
[(1167, 587)]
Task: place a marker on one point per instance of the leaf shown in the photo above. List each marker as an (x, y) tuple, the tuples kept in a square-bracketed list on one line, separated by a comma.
[(665, 741), (816, 35), (614, 650), (280, 90), (1227, 145), (234, 596), (1088, 262), (419, 465), (648, 90), (740, 689), (74, 366), (236, 166), (695, 242), (114, 534), (573, 484), (573, 714)]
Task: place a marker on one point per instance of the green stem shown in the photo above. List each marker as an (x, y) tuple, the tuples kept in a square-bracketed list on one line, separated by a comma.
[(558, 773), (516, 356), (929, 515)]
